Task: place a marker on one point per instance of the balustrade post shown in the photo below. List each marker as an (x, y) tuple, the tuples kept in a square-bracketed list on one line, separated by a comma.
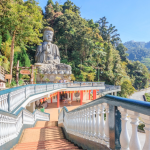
[(87, 123), (85, 130), (146, 120), (75, 124), (90, 126), (8, 101), (78, 122), (124, 137), (82, 122), (134, 141), (93, 124), (97, 123), (35, 89), (114, 127), (102, 124), (25, 90)]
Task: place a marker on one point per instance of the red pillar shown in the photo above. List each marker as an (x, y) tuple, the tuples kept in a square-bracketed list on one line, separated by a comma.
[(89, 94), (81, 97), (72, 96), (57, 99), (94, 94)]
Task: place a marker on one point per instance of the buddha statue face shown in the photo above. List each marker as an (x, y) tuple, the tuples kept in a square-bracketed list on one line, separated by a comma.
[(48, 36)]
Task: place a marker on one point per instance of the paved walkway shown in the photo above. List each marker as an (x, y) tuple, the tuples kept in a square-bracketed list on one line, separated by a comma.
[(53, 110), (139, 95)]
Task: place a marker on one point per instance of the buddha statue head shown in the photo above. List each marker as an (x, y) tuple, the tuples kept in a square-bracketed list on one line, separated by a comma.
[(48, 33)]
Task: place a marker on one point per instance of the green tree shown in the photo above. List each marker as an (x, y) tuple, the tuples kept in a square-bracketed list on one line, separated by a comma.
[(23, 58), (24, 20), (108, 34), (126, 89), (140, 73), (122, 51)]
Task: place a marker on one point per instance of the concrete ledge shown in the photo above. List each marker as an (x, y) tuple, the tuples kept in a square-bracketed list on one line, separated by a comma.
[(84, 143)]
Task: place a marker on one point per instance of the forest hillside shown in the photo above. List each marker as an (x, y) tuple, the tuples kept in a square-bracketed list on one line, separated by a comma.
[(139, 51)]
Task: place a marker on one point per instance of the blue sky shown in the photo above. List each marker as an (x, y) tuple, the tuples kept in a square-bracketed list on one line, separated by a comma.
[(131, 17)]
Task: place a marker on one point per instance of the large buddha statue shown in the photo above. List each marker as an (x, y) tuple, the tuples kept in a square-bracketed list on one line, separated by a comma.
[(47, 56), (47, 52)]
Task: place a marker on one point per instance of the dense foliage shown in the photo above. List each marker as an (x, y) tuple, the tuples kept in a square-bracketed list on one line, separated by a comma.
[(139, 51), (83, 44), (147, 95)]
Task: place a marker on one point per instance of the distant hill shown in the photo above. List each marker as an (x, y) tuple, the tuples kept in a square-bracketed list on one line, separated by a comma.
[(139, 51)]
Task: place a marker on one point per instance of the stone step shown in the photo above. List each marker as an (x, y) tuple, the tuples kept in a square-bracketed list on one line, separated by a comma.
[(41, 134), (44, 136), (51, 144), (46, 123)]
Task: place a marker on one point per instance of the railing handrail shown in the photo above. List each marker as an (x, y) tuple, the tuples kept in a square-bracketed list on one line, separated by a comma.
[(131, 104), (89, 82), (9, 114), (19, 87), (12, 102), (88, 122)]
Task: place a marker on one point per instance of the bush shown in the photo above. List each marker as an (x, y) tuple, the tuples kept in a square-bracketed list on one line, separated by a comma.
[(13, 83), (20, 82), (8, 85), (147, 97)]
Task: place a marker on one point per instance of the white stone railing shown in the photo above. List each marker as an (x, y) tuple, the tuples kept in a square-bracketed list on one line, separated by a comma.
[(85, 84), (104, 121), (10, 99), (11, 125)]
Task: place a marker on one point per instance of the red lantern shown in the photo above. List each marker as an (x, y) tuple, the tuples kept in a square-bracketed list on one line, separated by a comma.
[(41, 100), (44, 99)]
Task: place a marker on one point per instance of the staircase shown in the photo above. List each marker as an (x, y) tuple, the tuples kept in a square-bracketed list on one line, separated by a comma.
[(44, 136)]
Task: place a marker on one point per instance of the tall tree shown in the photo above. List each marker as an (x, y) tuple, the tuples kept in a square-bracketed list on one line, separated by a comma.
[(108, 34), (122, 51), (24, 20)]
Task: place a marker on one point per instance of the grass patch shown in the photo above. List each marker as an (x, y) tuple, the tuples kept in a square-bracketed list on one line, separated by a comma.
[(147, 95)]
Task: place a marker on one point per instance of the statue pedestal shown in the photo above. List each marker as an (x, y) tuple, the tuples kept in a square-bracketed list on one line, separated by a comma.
[(53, 77), (53, 72)]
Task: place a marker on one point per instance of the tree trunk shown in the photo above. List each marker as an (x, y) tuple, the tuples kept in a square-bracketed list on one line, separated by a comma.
[(66, 49), (12, 53)]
